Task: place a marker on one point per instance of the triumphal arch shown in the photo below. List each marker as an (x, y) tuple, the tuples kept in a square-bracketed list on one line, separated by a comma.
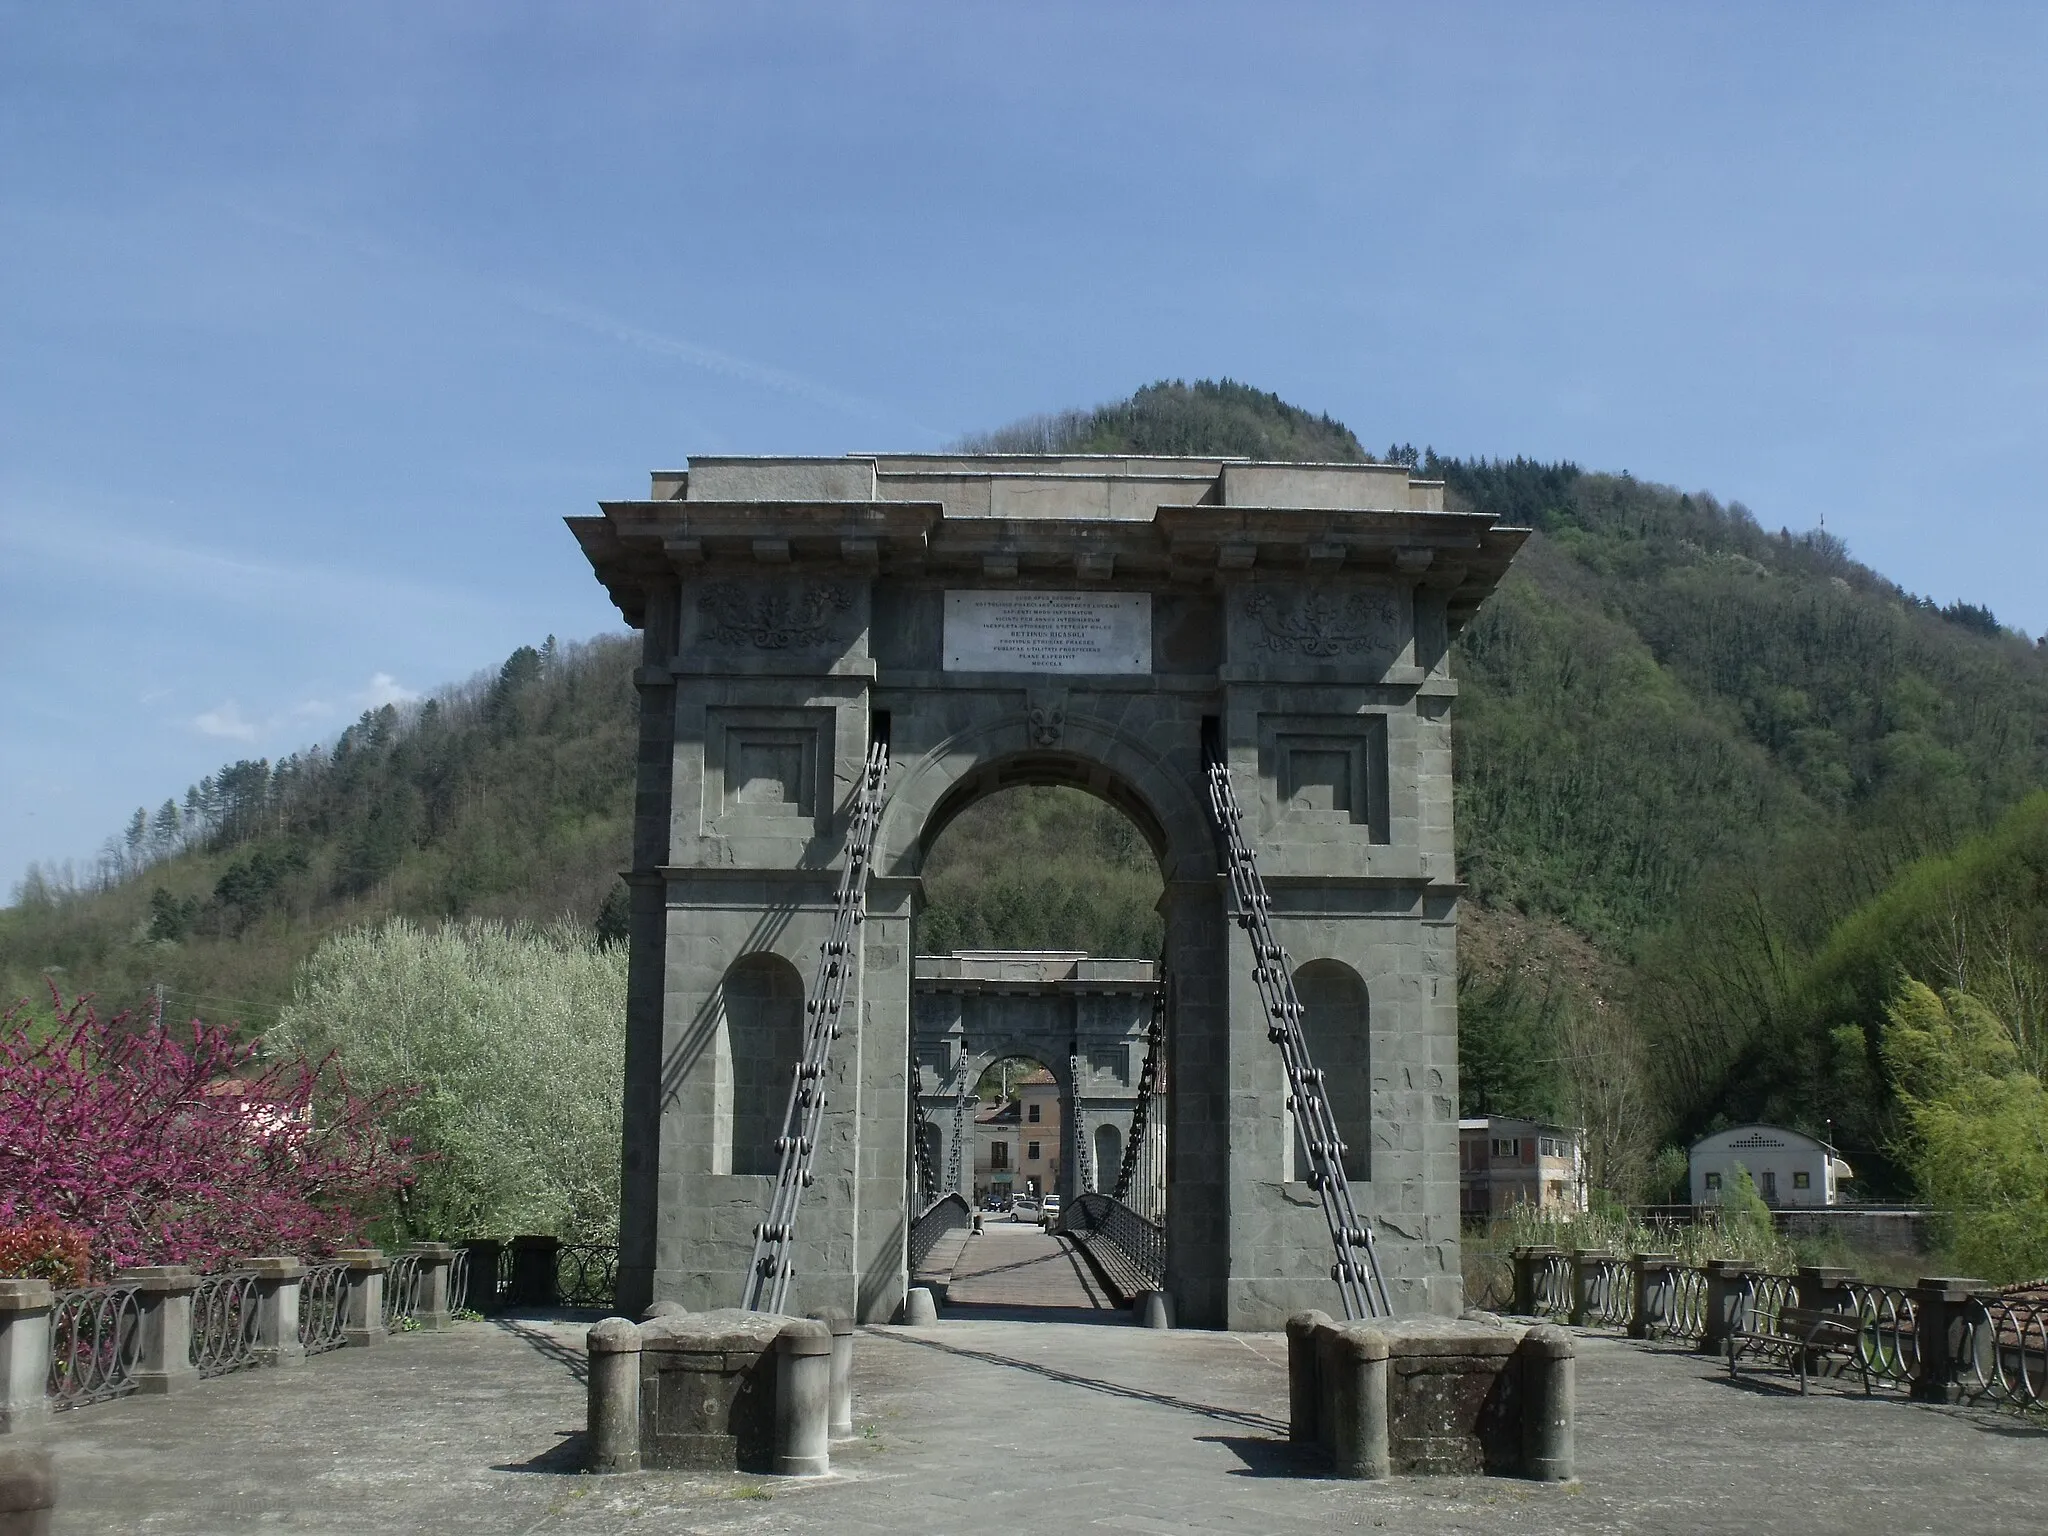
[(1115, 624)]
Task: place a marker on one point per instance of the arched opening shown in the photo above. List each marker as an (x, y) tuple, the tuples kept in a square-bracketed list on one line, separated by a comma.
[(760, 1037), (1109, 1157), (1019, 1115), (1041, 867), (1336, 1019)]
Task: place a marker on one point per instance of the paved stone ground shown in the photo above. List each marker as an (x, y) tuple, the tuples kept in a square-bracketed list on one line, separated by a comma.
[(1018, 1272), (975, 1425)]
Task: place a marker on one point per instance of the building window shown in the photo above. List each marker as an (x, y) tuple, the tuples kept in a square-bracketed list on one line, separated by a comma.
[(1713, 1181), (1802, 1181), (1507, 1146), (1032, 1151), (1031, 1114), (999, 1154)]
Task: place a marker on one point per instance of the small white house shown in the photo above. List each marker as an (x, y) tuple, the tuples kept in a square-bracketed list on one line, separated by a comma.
[(1789, 1169)]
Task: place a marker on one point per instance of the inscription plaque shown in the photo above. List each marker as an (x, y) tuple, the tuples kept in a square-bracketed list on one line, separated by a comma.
[(1048, 632)]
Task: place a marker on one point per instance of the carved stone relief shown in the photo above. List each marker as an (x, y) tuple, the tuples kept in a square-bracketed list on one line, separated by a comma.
[(1323, 621), (771, 619)]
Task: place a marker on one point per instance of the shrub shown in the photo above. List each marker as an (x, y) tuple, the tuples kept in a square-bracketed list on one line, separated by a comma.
[(44, 1249)]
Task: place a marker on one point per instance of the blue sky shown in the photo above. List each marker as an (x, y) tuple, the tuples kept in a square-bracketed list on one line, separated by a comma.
[(315, 320)]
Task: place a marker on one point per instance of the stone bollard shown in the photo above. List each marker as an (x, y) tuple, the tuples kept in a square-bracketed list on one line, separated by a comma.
[(1941, 1306), (1725, 1307), (1530, 1264), (536, 1272), (1588, 1265), (1654, 1293), (1352, 1412), (919, 1310), (841, 1324), (434, 1310), (1549, 1404), (803, 1399), (24, 1353), (480, 1291), (1304, 1376), (613, 1413), (279, 1278), (362, 1305), (28, 1492), (164, 1357), (1153, 1309)]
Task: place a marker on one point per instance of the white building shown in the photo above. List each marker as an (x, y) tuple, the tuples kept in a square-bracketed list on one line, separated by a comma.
[(1789, 1169)]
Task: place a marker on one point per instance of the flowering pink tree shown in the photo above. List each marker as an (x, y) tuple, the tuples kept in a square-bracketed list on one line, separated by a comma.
[(180, 1144)]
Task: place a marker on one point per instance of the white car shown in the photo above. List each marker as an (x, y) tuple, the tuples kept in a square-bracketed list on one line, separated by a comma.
[(1049, 1212)]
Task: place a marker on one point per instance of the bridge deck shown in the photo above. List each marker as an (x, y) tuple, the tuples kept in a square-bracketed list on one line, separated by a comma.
[(1015, 1270), (974, 1426)]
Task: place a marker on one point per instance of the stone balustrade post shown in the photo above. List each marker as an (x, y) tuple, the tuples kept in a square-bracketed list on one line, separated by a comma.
[(1530, 1264), (536, 1271), (1726, 1308), (1823, 1287), (1655, 1292), (1353, 1414), (803, 1399), (362, 1308), (1941, 1304), (24, 1353), (279, 1279), (481, 1291), (435, 1308), (613, 1414), (1588, 1265), (164, 1295)]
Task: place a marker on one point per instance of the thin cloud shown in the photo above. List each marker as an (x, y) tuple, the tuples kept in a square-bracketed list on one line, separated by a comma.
[(386, 689), (225, 721)]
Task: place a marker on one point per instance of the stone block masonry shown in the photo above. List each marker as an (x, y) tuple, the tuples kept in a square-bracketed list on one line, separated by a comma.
[(1103, 623)]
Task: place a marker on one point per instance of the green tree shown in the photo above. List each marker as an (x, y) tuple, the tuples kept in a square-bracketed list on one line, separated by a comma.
[(516, 1036), (1976, 1127)]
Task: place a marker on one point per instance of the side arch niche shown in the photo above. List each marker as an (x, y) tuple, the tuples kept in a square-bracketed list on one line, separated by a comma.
[(1337, 1019), (1109, 1156), (760, 1037)]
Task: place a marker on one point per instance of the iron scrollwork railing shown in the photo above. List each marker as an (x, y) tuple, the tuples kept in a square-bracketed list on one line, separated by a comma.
[(401, 1291), (770, 1271), (1126, 1245), (224, 1323), (323, 1308), (2004, 1358), (1685, 1309), (1357, 1268), (1609, 1292), (95, 1344), (587, 1274), (1888, 1342)]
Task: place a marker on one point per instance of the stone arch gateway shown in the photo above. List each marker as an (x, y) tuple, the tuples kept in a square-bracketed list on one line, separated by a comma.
[(1006, 620)]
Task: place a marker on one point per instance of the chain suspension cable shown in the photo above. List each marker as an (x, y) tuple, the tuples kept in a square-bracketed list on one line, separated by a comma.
[(1141, 1112), (1357, 1270), (927, 1189), (1080, 1130), (961, 1097), (769, 1274)]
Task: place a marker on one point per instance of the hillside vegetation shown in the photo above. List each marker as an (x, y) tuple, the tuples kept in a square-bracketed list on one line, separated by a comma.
[(1702, 768)]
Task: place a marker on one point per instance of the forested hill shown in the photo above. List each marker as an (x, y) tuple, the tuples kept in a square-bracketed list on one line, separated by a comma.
[(1690, 749)]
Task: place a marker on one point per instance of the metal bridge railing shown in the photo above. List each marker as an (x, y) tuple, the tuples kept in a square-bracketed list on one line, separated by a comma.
[(944, 1216), (401, 1291), (95, 1344), (323, 1308), (224, 1323), (1128, 1250)]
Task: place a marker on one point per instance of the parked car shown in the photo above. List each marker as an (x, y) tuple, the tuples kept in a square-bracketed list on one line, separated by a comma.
[(1049, 1212), (1023, 1208)]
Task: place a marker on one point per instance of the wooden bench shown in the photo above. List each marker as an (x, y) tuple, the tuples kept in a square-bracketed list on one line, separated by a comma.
[(1807, 1338)]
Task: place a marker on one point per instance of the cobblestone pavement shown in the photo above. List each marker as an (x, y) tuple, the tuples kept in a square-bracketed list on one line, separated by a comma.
[(973, 1425)]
